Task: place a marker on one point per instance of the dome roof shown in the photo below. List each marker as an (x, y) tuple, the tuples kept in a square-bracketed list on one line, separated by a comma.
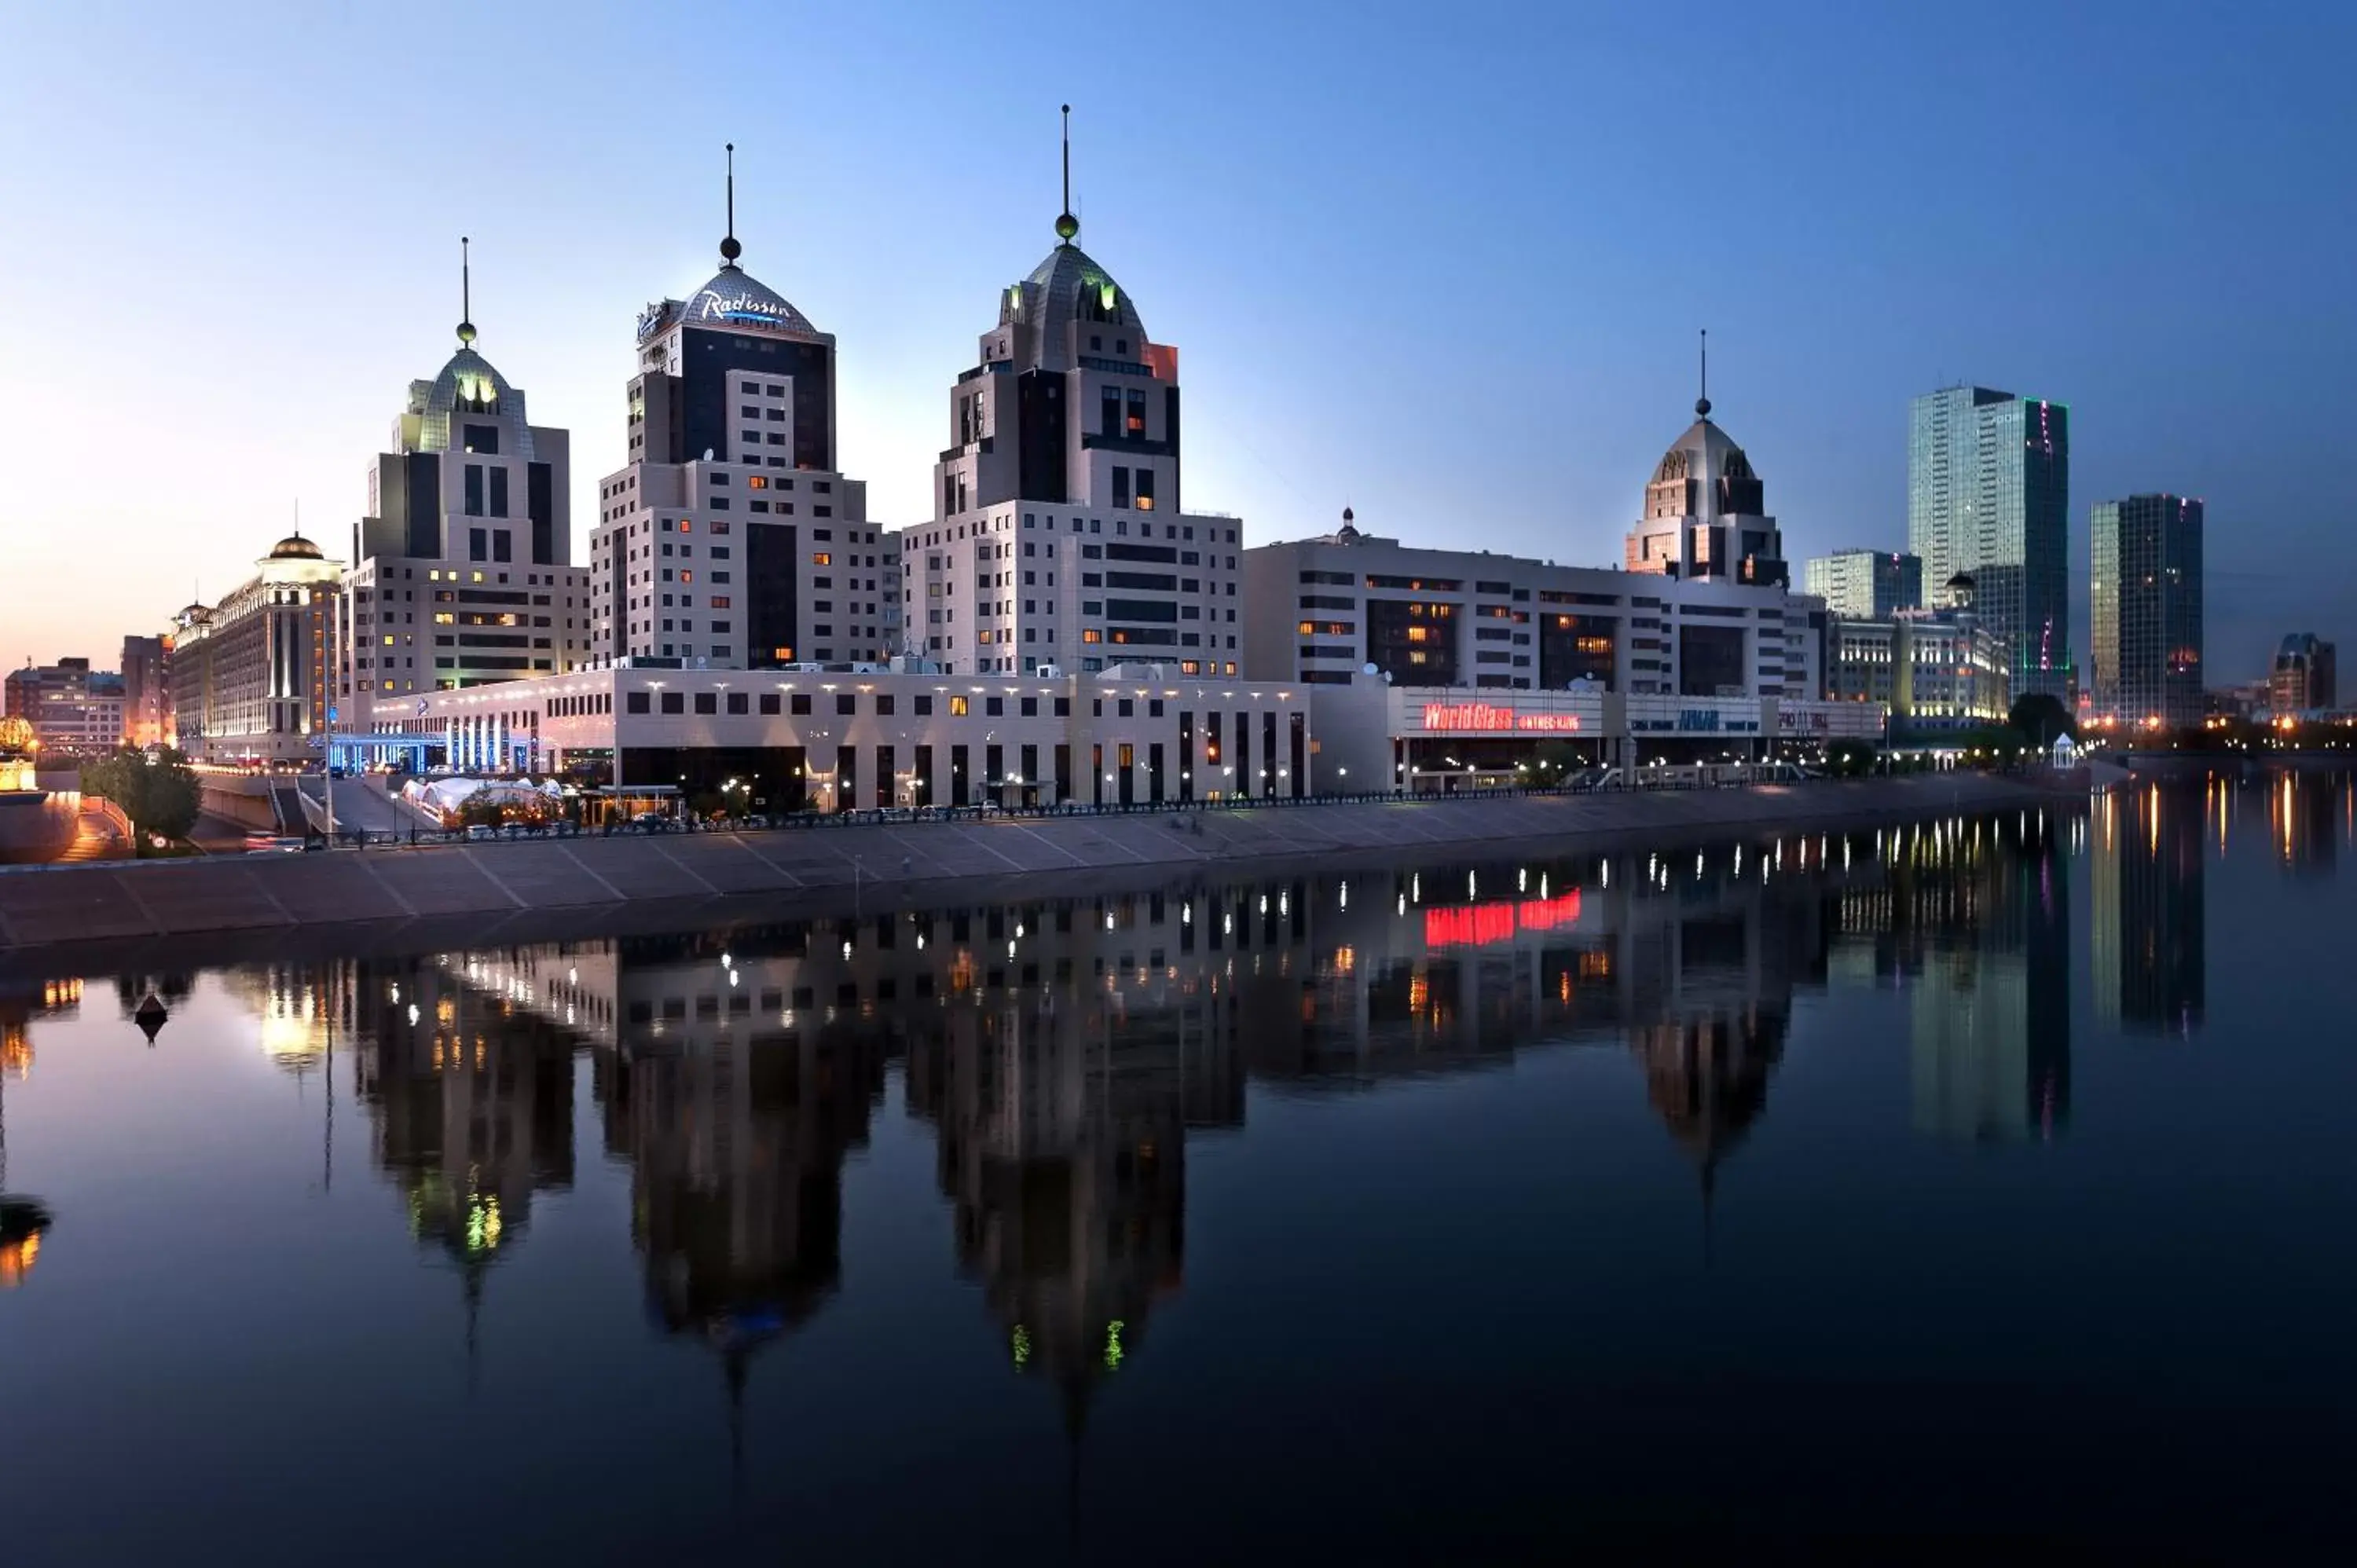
[(733, 297), (1703, 452), (1069, 287), (295, 547), (469, 384)]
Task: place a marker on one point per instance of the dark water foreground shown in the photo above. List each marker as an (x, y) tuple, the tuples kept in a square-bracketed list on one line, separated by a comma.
[(1989, 1175)]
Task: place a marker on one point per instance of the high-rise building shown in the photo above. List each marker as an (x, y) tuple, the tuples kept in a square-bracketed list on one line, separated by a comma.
[(1989, 495), (253, 676), (2303, 680), (1865, 584), (462, 569), (730, 540), (1057, 536), (2145, 599), (1706, 513), (146, 691), (75, 711)]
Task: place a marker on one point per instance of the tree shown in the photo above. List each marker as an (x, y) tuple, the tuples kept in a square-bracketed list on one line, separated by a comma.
[(1849, 758), (157, 790), (2042, 720)]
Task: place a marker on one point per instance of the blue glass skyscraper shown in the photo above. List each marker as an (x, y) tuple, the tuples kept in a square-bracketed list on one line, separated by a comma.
[(1988, 497)]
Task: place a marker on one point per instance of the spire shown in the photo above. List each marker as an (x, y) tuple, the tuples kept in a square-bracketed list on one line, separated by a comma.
[(1068, 226), (466, 301), (1702, 403), (730, 248)]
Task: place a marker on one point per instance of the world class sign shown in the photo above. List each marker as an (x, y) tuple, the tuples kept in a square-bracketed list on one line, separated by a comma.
[(1495, 718)]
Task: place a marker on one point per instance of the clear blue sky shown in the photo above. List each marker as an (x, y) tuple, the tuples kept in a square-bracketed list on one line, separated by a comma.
[(1444, 263)]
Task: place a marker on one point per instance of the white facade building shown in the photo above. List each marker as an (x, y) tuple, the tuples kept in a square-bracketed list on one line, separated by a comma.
[(1058, 540), (731, 541), (462, 569), (1134, 735), (253, 676)]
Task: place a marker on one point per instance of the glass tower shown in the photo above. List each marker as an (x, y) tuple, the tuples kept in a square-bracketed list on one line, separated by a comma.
[(1989, 495), (2145, 599)]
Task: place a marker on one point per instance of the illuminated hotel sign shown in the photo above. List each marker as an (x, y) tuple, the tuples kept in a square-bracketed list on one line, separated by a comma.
[(753, 309), (1493, 718)]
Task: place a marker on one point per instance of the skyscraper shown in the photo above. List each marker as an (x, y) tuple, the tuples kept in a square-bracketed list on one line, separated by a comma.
[(1064, 441), (2145, 599), (2303, 674), (1865, 584), (462, 571), (731, 541), (1989, 495)]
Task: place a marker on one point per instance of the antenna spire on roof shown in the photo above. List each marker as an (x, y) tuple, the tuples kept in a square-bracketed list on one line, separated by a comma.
[(1067, 226), (466, 296), (1702, 403), (730, 248)]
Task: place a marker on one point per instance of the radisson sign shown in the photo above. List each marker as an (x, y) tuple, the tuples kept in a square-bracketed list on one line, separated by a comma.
[(1494, 718)]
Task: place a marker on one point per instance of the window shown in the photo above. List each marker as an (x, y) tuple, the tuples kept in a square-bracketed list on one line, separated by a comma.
[(822, 558), (884, 706), (845, 705), (924, 704), (479, 545), (957, 708), (500, 493), (768, 703), (474, 492), (673, 703), (1120, 487), (707, 702), (802, 705), (1146, 490)]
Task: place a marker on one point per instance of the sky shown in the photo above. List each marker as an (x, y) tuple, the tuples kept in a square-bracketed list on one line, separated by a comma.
[(1444, 264)]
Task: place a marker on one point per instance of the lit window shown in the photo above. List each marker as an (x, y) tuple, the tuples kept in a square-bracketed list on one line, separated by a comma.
[(957, 708), (822, 558)]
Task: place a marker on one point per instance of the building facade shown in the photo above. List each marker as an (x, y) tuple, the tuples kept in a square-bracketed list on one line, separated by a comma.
[(2144, 603), (253, 677), (1865, 584), (730, 540), (146, 691), (1320, 610), (462, 569), (1937, 671), (2303, 678), (75, 711), (1988, 495), (1706, 513), (849, 739), (1058, 540)]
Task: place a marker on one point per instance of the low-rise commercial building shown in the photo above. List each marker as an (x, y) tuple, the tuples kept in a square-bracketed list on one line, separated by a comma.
[(146, 691), (1936, 671), (858, 739)]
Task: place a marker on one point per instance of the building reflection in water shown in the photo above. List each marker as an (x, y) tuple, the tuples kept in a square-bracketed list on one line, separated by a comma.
[(1066, 1052), (24, 1219), (2308, 816), (2149, 947)]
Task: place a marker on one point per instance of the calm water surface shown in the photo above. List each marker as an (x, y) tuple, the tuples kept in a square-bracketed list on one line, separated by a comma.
[(1993, 1174)]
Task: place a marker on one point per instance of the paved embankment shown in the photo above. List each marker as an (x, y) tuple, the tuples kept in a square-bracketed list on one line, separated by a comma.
[(134, 903)]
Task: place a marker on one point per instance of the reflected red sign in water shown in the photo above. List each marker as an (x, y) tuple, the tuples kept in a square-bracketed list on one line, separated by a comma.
[(1481, 924)]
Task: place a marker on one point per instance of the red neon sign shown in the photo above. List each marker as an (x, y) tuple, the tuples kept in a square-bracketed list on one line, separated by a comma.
[(1496, 717)]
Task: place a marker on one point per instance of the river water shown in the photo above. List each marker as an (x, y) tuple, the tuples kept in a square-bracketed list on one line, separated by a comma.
[(1988, 1175)]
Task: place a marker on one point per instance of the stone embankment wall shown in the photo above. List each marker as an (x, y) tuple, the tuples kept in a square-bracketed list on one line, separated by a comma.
[(140, 902)]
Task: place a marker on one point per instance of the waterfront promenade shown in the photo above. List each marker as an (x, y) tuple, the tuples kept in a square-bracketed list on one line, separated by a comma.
[(536, 885)]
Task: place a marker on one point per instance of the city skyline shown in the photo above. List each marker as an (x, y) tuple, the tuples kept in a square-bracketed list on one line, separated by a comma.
[(228, 256)]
